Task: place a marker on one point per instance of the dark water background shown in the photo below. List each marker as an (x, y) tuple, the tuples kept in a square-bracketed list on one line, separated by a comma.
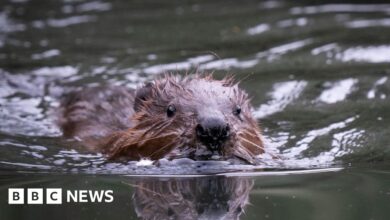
[(318, 73)]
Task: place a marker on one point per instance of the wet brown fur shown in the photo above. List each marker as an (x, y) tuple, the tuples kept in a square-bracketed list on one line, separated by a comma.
[(122, 125)]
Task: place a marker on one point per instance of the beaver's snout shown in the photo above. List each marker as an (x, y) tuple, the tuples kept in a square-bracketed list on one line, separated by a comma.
[(213, 132)]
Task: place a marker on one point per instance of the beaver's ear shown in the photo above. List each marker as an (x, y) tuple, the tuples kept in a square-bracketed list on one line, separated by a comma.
[(142, 95)]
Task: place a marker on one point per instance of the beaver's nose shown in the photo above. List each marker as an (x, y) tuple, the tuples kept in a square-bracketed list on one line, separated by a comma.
[(213, 132)]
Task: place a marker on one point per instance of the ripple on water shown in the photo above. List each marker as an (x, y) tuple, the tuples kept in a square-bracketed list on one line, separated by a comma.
[(371, 54), (344, 141), (277, 51), (24, 99), (258, 29), (302, 21), (56, 72), (364, 23), (93, 6), (184, 65), (334, 8), (27, 93), (8, 25), (46, 54), (337, 91), (282, 94), (97, 164), (207, 62), (64, 22), (368, 54), (373, 92), (228, 63)]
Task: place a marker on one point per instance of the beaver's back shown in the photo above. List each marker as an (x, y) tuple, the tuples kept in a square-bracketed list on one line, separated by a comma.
[(96, 111)]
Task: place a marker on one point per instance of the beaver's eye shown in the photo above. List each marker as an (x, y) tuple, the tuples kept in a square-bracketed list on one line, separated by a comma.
[(171, 110), (239, 209), (237, 110)]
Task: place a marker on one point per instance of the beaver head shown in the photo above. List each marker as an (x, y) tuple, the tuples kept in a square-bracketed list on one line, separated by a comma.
[(196, 117)]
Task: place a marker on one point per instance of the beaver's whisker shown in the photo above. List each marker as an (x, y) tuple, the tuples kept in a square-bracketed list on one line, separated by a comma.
[(152, 138), (250, 142), (243, 154), (249, 132), (162, 148), (129, 141), (159, 127)]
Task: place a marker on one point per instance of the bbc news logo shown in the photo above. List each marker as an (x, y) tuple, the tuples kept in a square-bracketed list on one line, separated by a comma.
[(19, 196)]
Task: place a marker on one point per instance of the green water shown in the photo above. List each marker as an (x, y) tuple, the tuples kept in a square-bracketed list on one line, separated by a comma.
[(362, 193), (318, 74)]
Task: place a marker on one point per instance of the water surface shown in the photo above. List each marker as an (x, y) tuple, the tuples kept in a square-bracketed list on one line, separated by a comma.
[(318, 75)]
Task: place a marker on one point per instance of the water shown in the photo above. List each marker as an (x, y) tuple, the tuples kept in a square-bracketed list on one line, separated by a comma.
[(318, 76)]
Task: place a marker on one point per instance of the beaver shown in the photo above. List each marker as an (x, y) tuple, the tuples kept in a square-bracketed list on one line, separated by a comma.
[(195, 117)]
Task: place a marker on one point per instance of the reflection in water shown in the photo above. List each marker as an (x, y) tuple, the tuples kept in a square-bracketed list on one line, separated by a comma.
[(341, 8), (92, 6), (337, 91), (64, 22), (282, 49), (214, 197), (370, 54), (337, 194), (369, 23), (282, 95), (184, 65), (56, 72), (8, 25), (229, 63), (24, 100), (324, 48), (46, 54), (373, 54), (372, 93), (292, 22), (274, 53), (258, 29), (343, 143), (304, 143)]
